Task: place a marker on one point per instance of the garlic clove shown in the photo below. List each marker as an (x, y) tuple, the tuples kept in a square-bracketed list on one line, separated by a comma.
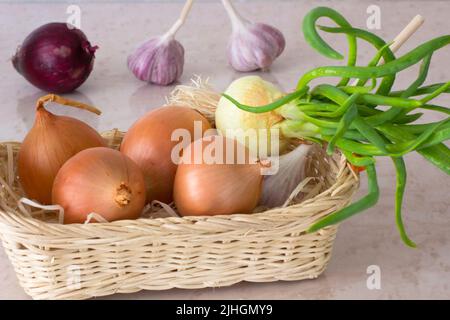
[(252, 46), (273, 35), (255, 47), (159, 60)]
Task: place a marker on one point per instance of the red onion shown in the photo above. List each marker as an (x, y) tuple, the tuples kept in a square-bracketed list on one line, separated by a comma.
[(55, 58)]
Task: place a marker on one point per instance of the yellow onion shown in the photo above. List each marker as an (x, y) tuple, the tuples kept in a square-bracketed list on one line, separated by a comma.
[(149, 143), (215, 176), (50, 143), (102, 181)]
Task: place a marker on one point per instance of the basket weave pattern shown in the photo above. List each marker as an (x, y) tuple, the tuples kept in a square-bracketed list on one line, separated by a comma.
[(54, 261)]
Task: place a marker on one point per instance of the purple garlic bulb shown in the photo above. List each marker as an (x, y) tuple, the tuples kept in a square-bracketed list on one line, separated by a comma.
[(252, 46), (160, 60)]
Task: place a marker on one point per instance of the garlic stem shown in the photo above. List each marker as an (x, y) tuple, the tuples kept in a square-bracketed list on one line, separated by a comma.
[(177, 25), (66, 102), (237, 21)]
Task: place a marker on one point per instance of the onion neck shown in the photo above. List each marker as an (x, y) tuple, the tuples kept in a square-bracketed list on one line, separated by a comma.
[(65, 102), (42, 114), (89, 48), (294, 125), (123, 195), (298, 129)]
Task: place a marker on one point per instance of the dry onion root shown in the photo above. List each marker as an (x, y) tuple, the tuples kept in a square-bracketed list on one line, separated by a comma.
[(199, 96)]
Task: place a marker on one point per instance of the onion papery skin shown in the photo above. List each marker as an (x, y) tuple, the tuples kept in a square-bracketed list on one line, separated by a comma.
[(202, 188), (50, 143), (99, 180), (55, 58), (148, 143)]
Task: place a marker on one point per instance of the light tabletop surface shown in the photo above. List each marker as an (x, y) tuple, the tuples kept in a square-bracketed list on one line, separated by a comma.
[(368, 239)]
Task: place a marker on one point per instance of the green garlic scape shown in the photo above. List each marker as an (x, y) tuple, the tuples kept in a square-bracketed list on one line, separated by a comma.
[(349, 118)]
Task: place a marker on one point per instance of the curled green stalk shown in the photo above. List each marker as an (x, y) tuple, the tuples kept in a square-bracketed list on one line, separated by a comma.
[(349, 134), (436, 137), (327, 110), (330, 92), (319, 108), (383, 51), (438, 155), (435, 93), (340, 110), (350, 114), (315, 40), (390, 67), (400, 169), (292, 112), (338, 96), (421, 91), (397, 102), (271, 106), (407, 118), (413, 128), (423, 72), (370, 133), (359, 89), (362, 204), (393, 113), (436, 108), (430, 137)]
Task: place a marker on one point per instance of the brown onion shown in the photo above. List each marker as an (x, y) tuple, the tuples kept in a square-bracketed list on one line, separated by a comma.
[(205, 187), (148, 143), (50, 143), (99, 180)]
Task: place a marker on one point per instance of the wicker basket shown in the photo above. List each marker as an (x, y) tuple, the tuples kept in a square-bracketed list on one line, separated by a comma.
[(80, 261)]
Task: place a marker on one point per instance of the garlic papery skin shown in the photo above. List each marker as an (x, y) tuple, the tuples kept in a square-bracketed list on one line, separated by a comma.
[(160, 60), (291, 171), (241, 125), (252, 46)]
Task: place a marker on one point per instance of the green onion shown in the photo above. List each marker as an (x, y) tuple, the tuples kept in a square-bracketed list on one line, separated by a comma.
[(349, 117)]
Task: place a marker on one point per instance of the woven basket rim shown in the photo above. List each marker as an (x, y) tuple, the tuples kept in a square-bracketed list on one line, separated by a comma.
[(174, 220)]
